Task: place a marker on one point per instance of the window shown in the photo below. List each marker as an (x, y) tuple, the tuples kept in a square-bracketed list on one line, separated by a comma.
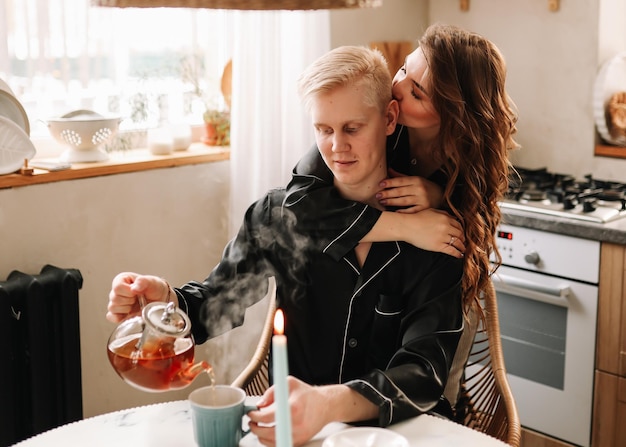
[(147, 65)]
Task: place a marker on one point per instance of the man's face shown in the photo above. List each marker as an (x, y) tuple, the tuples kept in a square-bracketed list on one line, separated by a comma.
[(351, 136)]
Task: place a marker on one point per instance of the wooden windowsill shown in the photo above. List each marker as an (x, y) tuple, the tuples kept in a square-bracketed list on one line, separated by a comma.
[(120, 162)]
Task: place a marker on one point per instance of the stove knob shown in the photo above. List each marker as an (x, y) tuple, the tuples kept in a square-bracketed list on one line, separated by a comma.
[(589, 205), (569, 202), (532, 258)]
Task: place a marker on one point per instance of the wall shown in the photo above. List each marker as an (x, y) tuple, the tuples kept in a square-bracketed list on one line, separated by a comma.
[(552, 58), (395, 20), (612, 28)]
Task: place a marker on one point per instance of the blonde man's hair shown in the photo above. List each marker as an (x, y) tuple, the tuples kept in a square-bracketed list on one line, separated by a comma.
[(348, 65)]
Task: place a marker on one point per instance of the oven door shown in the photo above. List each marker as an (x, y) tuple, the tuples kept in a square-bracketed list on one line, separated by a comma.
[(548, 327)]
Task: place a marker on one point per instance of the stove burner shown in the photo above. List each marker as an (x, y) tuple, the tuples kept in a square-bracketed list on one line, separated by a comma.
[(611, 194), (562, 195)]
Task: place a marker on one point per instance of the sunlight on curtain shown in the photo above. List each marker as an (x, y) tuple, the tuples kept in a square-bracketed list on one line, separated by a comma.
[(270, 130)]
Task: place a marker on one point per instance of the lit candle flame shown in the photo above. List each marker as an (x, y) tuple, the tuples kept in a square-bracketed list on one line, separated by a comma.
[(279, 322)]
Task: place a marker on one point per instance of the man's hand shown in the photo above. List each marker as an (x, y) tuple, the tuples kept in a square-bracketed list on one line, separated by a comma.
[(127, 290), (312, 407)]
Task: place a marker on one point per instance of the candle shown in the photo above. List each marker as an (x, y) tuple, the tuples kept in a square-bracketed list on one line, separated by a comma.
[(281, 390)]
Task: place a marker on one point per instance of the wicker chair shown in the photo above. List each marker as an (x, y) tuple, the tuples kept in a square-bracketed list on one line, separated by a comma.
[(485, 400), (254, 379)]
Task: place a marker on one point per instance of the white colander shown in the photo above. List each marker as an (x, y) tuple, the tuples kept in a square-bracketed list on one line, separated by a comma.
[(83, 132)]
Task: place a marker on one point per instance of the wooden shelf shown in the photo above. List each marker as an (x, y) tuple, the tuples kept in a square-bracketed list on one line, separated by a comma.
[(120, 162), (610, 151)]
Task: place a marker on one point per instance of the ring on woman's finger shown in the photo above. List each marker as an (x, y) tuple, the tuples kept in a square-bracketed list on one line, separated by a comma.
[(452, 239)]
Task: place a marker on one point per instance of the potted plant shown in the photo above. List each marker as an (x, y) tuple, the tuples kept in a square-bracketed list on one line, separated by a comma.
[(216, 113), (217, 126)]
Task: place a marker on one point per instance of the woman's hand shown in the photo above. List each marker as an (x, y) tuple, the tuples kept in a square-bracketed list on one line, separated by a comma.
[(128, 287), (411, 194), (434, 230), (312, 407), (430, 229), (421, 223)]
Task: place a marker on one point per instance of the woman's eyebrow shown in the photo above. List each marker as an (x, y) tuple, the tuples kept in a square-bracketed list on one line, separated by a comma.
[(419, 86)]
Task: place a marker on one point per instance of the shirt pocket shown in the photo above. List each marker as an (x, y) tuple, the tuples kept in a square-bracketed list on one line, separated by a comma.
[(385, 329)]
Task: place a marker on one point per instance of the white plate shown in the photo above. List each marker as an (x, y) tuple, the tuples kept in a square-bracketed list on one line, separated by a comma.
[(611, 79), (366, 437), (11, 108), (15, 146), (6, 87)]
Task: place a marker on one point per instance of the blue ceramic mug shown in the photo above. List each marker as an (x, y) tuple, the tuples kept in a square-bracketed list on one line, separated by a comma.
[(216, 413)]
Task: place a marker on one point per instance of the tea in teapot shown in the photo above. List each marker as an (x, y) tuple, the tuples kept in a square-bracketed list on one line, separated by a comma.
[(155, 351)]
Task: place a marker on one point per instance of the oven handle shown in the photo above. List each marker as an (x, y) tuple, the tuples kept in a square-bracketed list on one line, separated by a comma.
[(532, 290)]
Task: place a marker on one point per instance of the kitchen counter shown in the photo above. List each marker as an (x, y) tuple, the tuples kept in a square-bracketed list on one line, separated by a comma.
[(614, 231)]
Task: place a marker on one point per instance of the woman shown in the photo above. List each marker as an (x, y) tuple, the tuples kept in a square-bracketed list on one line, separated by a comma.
[(457, 126)]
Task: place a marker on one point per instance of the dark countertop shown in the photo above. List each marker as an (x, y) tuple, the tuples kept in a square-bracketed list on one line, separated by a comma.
[(614, 231)]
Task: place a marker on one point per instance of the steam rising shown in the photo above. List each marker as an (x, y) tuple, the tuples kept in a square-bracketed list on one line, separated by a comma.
[(268, 244)]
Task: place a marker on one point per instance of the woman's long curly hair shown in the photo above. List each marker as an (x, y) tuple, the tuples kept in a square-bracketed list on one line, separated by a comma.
[(478, 121)]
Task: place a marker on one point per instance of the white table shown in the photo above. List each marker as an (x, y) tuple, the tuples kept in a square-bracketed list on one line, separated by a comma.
[(169, 425)]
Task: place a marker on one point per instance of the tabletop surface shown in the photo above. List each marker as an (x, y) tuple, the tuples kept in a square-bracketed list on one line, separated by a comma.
[(169, 425)]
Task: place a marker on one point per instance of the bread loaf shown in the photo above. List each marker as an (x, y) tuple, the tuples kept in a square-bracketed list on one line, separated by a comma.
[(616, 117)]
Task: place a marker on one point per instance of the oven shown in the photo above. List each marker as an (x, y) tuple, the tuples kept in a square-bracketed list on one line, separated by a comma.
[(547, 292)]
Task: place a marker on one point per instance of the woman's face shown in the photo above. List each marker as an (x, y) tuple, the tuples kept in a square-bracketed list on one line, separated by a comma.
[(411, 88)]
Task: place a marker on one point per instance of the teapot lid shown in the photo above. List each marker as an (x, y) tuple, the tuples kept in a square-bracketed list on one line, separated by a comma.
[(167, 319)]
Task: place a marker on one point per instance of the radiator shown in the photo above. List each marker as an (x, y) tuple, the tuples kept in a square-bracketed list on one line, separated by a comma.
[(40, 375)]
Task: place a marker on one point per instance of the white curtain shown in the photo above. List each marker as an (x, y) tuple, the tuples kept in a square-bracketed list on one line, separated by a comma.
[(270, 130)]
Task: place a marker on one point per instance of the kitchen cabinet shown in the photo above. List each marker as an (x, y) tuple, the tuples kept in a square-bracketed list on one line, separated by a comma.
[(609, 409), (534, 439)]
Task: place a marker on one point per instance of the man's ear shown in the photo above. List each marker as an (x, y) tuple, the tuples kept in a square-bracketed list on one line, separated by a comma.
[(393, 110)]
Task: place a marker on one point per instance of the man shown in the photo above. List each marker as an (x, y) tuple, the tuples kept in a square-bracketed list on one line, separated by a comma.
[(371, 335)]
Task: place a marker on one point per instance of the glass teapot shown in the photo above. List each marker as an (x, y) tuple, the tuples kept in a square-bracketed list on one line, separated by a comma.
[(154, 351)]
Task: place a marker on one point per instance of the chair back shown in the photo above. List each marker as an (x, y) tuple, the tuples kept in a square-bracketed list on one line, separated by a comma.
[(255, 378), (485, 401)]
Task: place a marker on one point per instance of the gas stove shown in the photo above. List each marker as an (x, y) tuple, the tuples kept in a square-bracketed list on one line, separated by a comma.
[(562, 195)]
